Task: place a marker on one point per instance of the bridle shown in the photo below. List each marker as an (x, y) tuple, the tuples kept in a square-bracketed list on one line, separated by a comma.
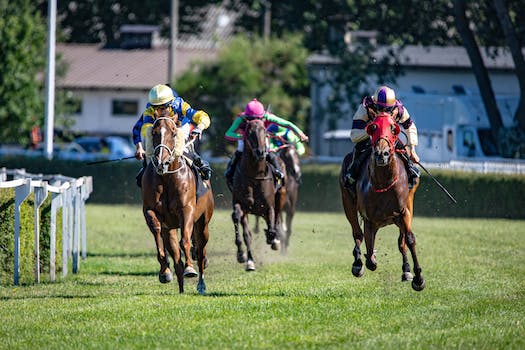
[(249, 140), (161, 147)]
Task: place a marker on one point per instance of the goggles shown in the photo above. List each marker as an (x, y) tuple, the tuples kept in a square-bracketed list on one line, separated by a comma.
[(387, 109), (163, 106)]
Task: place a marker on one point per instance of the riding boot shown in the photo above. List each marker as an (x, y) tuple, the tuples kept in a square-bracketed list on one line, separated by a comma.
[(413, 173), (272, 159), (230, 168), (203, 165), (361, 151)]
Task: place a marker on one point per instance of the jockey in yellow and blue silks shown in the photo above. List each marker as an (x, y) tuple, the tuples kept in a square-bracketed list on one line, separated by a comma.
[(164, 102), (255, 110), (383, 100)]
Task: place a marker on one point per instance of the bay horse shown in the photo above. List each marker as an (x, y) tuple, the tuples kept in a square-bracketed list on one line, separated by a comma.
[(255, 192), (288, 153), (382, 198), (169, 201)]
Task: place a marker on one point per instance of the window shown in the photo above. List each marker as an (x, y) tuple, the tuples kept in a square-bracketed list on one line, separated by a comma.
[(124, 107)]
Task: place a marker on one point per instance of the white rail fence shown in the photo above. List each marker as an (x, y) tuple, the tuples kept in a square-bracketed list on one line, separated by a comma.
[(67, 193)]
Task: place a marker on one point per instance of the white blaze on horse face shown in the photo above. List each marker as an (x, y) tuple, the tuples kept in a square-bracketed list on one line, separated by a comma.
[(162, 134), (382, 152)]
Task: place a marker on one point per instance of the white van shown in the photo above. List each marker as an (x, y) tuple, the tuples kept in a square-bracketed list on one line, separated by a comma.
[(455, 127)]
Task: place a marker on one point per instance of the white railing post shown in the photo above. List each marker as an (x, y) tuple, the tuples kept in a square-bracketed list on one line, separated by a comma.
[(21, 193), (40, 191)]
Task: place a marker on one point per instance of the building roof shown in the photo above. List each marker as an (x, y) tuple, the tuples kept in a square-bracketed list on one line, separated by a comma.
[(433, 57), (92, 67)]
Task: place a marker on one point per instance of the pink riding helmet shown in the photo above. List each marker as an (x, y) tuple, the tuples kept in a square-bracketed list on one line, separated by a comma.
[(254, 108)]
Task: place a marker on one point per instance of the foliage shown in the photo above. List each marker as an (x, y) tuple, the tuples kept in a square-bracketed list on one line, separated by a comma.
[(272, 71), (307, 299), (22, 43)]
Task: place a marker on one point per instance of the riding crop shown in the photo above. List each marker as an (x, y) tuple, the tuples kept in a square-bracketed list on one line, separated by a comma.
[(109, 160), (437, 182)]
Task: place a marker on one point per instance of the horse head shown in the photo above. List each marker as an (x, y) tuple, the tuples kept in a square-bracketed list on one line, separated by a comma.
[(168, 145), (255, 138), (384, 132)]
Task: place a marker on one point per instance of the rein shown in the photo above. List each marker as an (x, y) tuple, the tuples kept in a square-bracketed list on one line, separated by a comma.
[(170, 151)]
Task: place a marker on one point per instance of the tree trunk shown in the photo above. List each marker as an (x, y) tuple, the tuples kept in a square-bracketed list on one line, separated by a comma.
[(517, 55), (480, 71)]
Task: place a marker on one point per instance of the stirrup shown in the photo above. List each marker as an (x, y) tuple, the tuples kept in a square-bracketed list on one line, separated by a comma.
[(349, 181)]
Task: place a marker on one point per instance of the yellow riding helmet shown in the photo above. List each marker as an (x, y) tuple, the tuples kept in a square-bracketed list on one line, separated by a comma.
[(384, 97), (160, 94)]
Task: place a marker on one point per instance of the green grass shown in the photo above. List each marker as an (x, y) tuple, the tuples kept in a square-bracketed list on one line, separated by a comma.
[(474, 299)]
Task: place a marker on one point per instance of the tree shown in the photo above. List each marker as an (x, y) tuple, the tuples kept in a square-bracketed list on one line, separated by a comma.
[(23, 44), (273, 71)]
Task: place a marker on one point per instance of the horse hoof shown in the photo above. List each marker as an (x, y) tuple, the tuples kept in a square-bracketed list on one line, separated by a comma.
[(165, 277), (371, 265), (201, 287), (241, 257), (358, 270), (418, 286), (190, 272), (407, 276), (250, 266), (276, 244)]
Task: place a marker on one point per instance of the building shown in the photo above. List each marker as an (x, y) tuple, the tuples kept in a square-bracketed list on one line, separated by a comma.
[(440, 71)]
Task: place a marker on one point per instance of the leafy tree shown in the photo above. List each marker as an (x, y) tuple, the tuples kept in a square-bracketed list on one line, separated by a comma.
[(23, 44), (272, 71)]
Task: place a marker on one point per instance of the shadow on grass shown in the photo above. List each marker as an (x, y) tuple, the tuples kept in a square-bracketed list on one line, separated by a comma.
[(120, 255)]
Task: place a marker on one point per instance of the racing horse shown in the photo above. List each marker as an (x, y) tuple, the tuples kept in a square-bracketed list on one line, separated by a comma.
[(169, 201), (382, 198), (254, 191), (288, 153)]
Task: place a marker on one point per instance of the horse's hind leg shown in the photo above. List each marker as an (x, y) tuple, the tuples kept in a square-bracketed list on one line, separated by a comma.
[(202, 234), (236, 218), (165, 275), (418, 283), (172, 245), (370, 239)]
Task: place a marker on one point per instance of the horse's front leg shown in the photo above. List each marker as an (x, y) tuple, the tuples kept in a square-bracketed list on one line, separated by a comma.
[(407, 275), (154, 225), (169, 237), (186, 221), (350, 208), (236, 218), (418, 283), (370, 240), (247, 235), (272, 236)]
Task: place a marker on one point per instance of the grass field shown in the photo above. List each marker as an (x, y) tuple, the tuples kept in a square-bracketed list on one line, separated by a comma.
[(474, 298)]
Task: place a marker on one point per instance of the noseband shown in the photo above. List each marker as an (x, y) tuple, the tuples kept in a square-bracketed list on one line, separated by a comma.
[(160, 147)]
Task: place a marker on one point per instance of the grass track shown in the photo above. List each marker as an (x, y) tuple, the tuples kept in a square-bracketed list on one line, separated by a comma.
[(474, 299)]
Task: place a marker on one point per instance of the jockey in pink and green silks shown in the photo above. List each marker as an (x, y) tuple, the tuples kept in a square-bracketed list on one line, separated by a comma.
[(255, 110)]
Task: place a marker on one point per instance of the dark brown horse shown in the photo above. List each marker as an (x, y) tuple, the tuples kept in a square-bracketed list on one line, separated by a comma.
[(288, 153), (382, 198), (169, 200), (254, 192)]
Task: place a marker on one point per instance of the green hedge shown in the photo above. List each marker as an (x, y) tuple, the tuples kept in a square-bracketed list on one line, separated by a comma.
[(478, 195), (27, 238)]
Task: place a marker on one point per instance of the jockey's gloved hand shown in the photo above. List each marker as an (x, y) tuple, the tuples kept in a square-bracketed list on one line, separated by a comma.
[(196, 132)]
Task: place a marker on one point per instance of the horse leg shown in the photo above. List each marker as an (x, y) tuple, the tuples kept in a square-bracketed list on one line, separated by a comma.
[(202, 234), (172, 245), (350, 209), (370, 238), (236, 218), (272, 236), (247, 235), (186, 232), (256, 228), (418, 283), (165, 275), (407, 275)]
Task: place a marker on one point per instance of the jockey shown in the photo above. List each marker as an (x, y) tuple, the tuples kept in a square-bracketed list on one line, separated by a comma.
[(164, 102), (255, 110), (383, 100)]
